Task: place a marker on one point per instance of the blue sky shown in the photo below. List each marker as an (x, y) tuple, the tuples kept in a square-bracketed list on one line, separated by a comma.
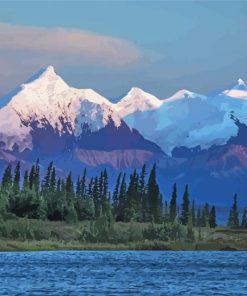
[(160, 46)]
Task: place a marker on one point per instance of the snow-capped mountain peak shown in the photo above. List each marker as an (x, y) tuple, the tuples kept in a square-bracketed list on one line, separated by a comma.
[(241, 82), (183, 94), (238, 91), (137, 100), (47, 100), (46, 78)]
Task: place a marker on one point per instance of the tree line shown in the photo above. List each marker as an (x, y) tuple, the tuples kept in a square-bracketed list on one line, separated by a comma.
[(134, 198)]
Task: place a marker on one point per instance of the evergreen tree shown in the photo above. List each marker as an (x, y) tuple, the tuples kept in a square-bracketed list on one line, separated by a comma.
[(25, 186), (36, 177), (173, 204), (83, 184), (205, 216), (96, 197), (190, 232), (193, 214), (17, 178), (141, 185), (166, 213), (115, 196), (133, 202), (47, 179), (244, 219), (212, 218), (53, 180), (101, 186), (122, 200), (69, 187), (78, 188), (154, 197), (90, 188), (7, 178), (185, 207), (32, 177), (105, 185), (233, 220), (143, 195)]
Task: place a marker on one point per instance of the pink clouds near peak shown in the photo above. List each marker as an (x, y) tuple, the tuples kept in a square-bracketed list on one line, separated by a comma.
[(74, 44)]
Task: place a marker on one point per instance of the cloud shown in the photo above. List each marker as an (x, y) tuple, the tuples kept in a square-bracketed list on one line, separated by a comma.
[(67, 46)]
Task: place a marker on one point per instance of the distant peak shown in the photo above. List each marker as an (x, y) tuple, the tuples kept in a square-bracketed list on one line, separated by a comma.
[(184, 94), (48, 71), (241, 82), (43, 72), (135, 90)]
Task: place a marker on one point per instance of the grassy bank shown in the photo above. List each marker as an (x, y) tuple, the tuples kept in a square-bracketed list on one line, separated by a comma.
[(44, 245), (34, 235)]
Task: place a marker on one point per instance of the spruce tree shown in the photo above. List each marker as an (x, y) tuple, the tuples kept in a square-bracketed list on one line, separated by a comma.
[(198, 218), (90, 189), (244, 219), (115, 196), (173, 204), (205, 215), (153, 197), (190, 232), (185, 207), (193, 213), (31, 180), (78, 187), (141, 185), (105, 185), (47, 179), (166, 213), (96, 197), (7, 178), (233, 220), (133, 201), (25, 185), (53, 180), (83, 184), (36, 178), (142, 194), (17, 178), (212, 218), (122, 200), (69, 186), (101, 186)]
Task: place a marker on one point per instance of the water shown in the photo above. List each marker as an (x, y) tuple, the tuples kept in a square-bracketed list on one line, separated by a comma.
[(123, 273)]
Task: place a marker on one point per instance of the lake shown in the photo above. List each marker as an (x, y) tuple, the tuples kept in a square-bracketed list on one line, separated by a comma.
[(123, 273)]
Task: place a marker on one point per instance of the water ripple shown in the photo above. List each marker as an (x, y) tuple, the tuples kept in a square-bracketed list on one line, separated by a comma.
[(76, 273)]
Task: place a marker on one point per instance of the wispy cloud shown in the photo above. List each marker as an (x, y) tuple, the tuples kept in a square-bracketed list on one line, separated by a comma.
[(68, 45)]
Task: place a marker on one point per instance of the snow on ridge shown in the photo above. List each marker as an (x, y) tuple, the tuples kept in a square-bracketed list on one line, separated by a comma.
[(239, 91), (46, 97), (241, 82), (137, 100), (49, 97), (183, 94)]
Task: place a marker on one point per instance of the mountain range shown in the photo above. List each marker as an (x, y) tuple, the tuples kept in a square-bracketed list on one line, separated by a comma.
[(193, 138)]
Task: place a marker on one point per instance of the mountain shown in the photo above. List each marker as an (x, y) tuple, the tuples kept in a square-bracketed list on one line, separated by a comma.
[(136, 100), (184, 119), (238, 91), (206, 135), (45, 117), (195, 139)]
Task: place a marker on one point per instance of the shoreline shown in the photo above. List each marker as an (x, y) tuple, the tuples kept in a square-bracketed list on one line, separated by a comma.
[(32, 246)]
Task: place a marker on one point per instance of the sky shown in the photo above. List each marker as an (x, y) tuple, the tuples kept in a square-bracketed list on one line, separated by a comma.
[(111, 46)]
